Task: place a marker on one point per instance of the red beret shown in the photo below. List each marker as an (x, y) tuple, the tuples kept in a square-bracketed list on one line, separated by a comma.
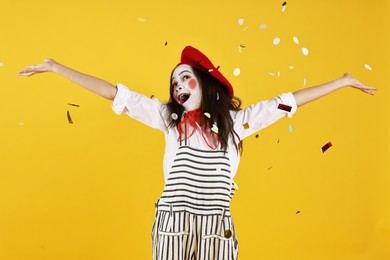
[(195, 58)]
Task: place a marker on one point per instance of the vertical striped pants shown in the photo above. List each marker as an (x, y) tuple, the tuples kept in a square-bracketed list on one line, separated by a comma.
[(186, 236)]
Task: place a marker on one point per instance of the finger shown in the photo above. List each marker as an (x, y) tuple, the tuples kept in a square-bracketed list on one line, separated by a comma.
[(25, 73)]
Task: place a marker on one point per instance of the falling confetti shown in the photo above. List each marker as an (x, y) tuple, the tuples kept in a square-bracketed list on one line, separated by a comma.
[(284, 6), (141, 20), (269, 168), (367, 66), (276, 40), (174, 116), (326, 147), (291, 67), (263, 26), (278, 140), (166, 43), (152, 96), (304, 82), (278, 73), (246, 126), (242, 46), (1, 64), (284, 107), (257, 136), (295, 40), (73, 105), (207, 115), (210, 70), (297, 212), (214, 128), (271, 73), (241, 21), (246, 27), (290, 129), (69, 118), (305, 51), (236, 72)]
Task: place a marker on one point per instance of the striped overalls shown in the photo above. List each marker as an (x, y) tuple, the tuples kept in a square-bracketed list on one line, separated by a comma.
[(193, 220)]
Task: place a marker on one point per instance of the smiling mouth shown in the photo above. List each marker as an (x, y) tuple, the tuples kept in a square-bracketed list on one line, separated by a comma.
[(183, 97)]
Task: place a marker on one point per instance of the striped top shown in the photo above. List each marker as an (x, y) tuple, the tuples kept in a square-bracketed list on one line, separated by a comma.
[(199, 182)]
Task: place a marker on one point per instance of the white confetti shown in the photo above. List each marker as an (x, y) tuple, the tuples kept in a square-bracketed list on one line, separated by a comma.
[(304, 82), (207, 114), (263, 26), (1, 64), (271, 73), (236, 72), (290, 129), (367, 66), (174, 116), (241, 21), (291, 67), (278, 73), (141, 20), (276, 41), (210, 70), (305, 51), (283, 8), (214, 128), (246, 27), (295, 39)]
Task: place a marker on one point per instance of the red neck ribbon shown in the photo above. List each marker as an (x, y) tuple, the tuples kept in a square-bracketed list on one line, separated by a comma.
[(192, 121)]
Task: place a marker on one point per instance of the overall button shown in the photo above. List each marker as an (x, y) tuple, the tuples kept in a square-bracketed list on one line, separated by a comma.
[(228, 233)]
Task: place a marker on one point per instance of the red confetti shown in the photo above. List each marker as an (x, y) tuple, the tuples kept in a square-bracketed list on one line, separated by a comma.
[(284, 107), (326, 147)]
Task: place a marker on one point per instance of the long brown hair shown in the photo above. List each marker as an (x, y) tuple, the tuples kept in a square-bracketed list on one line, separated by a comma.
[(217, 101)]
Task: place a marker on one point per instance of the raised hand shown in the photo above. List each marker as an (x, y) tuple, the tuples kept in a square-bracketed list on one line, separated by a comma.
[(352, 82), (46, 66)]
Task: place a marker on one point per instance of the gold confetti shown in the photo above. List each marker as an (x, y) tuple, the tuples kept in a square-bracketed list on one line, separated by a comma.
[(69, 118), (246, 126), (73, 105), (326, 147)]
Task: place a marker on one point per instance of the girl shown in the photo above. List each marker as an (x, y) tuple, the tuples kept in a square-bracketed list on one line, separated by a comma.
[(204, 127)]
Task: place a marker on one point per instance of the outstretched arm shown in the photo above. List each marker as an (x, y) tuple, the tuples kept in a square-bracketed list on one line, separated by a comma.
[(307, 95), (96, 85)]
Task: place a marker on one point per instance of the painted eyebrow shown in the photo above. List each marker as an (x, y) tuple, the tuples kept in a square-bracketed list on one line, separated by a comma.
[(182, 73)]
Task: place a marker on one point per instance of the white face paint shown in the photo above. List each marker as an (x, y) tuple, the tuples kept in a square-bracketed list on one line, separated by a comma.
[(186, 88)]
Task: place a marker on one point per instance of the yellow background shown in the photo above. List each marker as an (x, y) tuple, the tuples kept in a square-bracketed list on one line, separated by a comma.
[(87, 190)]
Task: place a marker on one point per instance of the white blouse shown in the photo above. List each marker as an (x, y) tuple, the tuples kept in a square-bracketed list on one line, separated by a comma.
[(155, 114)]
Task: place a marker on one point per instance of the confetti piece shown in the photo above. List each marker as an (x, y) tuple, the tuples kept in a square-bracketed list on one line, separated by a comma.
[(174, 116), (271, 73), (242, 46), (276, 40), (20, 124), (245, 28), (246, 126), (326, 147), (284, 107), (367, 66), (257, 136), (217, 96), (297, 212), (166, 43), (290, 129), (284, 6), (269, 168), (295, 39), (263, 26), (210, 70), (278, 73), (152, 96), (74, 105), (278, 140), (305, 51), (207, 115), (236, 72), (241, 21), (304, 82), (69, 118), (291, 67), (141, 20), (214, 128), (218, 68), (1, 64)]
